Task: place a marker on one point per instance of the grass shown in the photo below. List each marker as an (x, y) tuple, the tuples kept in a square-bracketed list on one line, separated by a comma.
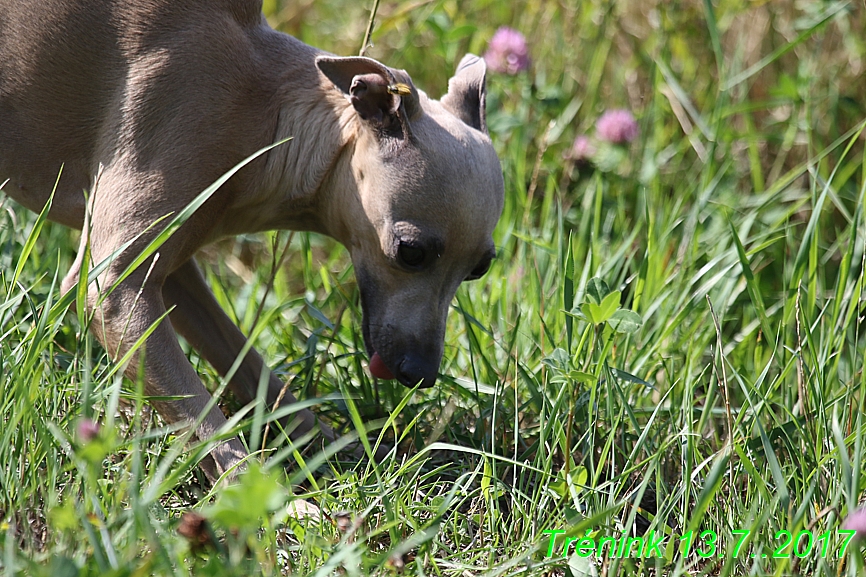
[(730, 400)]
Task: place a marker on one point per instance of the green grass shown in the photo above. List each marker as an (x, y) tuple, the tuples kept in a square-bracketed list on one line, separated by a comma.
[(733, 227)]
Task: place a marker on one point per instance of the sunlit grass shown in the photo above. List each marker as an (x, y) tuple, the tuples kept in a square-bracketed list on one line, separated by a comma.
[(732, 226)]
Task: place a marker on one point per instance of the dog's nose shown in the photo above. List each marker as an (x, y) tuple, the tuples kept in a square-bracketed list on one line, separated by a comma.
[(415, 368)]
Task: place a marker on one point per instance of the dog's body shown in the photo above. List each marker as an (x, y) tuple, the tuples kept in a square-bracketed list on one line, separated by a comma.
[(145, 104)]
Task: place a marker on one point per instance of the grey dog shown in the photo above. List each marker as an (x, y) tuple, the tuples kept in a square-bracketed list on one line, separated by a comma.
[(145, 104)]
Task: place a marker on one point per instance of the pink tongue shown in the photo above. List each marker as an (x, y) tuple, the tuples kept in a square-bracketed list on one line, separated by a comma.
[(378, 368)]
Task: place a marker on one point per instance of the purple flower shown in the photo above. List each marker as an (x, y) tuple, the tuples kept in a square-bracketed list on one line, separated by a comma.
[(87, 430), (856, 521), (617, 126), (582, 150), (507, 51)]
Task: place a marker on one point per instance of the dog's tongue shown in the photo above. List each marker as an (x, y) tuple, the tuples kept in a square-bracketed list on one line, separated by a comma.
[(378, 368)]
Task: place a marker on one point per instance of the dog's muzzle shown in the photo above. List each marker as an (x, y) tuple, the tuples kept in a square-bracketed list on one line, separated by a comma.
[(413, 369), (392, 353), (409, 370)]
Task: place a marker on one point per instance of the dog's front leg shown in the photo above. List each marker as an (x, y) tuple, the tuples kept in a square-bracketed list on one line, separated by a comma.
[(203, 323), (119, 321)]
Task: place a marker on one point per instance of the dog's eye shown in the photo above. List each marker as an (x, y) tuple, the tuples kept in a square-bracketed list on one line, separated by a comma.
[(410, 256), (480, 270)]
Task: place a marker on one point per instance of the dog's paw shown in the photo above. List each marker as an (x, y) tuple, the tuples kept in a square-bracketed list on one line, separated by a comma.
[(301, 509)]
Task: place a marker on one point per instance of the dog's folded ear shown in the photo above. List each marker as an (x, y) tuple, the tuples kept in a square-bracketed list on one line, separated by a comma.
[(382, 96), (467, 92)]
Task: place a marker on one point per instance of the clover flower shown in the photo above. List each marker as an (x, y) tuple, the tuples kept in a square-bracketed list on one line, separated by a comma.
[(856, 521), (87, 430), (582, 150), (507, 51), (617, 127)]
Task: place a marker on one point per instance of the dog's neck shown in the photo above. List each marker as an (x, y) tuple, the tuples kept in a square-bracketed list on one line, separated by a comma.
[(303, 177)]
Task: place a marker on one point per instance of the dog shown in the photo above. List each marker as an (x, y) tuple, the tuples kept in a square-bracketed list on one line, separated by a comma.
[(145, 104)]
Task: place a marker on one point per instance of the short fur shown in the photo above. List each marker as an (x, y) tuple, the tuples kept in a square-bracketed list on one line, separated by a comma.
[(147, 103)]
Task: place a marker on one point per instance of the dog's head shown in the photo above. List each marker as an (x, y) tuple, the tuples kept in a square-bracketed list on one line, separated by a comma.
[(428, 192)]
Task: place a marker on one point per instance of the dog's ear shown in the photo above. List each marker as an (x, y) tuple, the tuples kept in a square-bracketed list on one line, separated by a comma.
[(380, 95), (467, 92)]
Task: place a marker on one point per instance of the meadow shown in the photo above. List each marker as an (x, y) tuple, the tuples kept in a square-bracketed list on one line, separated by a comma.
[(669, 345)]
